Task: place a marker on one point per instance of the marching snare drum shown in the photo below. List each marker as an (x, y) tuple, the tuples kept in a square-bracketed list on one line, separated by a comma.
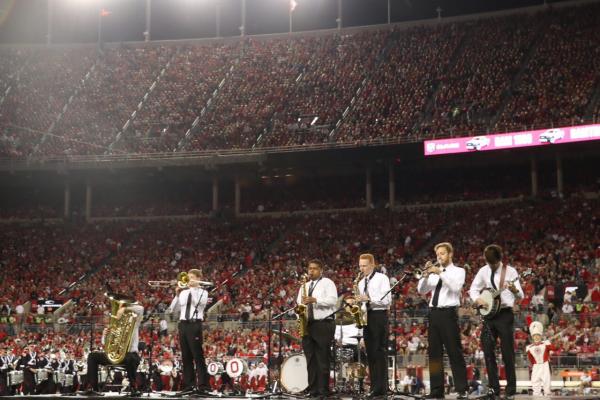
[(15, 378), (41, 375), (294, 376)]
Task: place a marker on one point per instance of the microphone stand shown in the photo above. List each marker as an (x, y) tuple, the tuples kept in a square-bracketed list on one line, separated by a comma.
[(276, 391), (396, 392)]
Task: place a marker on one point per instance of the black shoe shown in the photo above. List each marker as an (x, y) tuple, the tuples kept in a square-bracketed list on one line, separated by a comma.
[(89, 392), (436, 396), (462, 396), (134, 393)]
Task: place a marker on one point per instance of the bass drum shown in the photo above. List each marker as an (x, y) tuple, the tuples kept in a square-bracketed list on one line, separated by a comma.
[(215, 368), (294, 376), (235, 367)]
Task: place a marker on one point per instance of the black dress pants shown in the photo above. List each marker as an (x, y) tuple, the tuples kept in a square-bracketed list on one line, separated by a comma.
[(192, 353), (376, 343), (317, 350), (96, 358), (444, 333), (501, 326)]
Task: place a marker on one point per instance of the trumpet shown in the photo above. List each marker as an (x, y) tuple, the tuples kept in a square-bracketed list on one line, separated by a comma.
[(183, 281), (419, 273)]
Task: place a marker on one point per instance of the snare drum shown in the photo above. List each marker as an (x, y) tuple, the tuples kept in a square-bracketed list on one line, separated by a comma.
[(166, 367), (41, 375), (15, 378), (345, 354), (102, 375), (59, 377), (69, 380), (294, 376)]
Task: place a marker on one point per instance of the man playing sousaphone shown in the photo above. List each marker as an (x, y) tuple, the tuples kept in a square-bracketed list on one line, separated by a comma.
[(126, 318)]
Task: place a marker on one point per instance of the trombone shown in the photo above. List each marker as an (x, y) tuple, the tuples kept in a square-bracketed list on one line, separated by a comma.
[(183, 281)]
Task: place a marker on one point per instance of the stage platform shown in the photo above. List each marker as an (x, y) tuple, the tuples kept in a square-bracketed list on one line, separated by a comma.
[(118, 396)]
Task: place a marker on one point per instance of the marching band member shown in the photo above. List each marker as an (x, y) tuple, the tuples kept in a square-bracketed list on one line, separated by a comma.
[(190, 303), (27, 363), (4, 369), (504, 278), (445, 281), (321, 298), (539, 354)]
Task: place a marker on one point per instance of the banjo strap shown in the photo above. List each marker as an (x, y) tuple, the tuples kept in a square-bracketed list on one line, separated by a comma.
[(502, 276)]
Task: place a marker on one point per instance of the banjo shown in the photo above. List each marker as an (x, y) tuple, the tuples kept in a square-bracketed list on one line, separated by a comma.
[(491, 297)]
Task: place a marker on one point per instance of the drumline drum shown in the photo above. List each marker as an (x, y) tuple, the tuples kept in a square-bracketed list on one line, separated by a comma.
[(236, 367), (41, 375), (15, 378), (294, 376), (102, 375), (166, 367), (215, 368), (345, 354)]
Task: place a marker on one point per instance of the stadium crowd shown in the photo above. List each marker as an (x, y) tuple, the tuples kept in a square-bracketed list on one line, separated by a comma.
[(492, 74)]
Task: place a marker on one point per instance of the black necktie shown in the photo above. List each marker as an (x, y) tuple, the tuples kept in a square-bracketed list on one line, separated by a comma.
[(367, 278), (311, 312), (188, 307), (436, 294), (492, 279)]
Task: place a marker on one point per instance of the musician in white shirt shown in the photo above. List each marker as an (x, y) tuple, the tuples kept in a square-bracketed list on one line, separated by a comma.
[(321, 299), (444, 281), (495, 275), (190, 304), (374, 290)]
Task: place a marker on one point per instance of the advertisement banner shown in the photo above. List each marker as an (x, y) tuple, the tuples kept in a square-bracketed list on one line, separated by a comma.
[(501, 141)]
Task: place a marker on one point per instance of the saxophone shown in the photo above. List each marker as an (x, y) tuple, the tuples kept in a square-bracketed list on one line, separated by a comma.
[(359, 315), (120, 331), (302, 311)]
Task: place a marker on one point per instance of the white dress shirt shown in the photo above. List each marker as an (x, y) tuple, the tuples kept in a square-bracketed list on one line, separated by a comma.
[(379, 284), (483, 281), (199, 301), (347, 334), (453, 279), (325, 292)]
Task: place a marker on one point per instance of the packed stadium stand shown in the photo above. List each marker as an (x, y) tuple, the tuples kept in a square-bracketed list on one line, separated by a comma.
[(127, 163), (385, 84)]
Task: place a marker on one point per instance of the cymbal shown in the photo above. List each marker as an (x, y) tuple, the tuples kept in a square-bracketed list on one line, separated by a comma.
[(287, 336)]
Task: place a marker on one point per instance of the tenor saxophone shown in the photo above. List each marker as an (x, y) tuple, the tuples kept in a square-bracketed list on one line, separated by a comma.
[(360, 317), (302, 311)]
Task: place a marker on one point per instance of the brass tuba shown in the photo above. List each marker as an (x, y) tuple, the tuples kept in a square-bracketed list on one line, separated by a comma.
[(120, 331), (360, 317), (302, 311)]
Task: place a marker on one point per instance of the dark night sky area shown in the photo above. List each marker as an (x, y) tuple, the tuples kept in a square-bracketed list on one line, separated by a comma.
[(26, 21)]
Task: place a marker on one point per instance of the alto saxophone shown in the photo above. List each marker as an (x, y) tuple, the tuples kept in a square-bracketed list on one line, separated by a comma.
[(302, 311), (359, 315)]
